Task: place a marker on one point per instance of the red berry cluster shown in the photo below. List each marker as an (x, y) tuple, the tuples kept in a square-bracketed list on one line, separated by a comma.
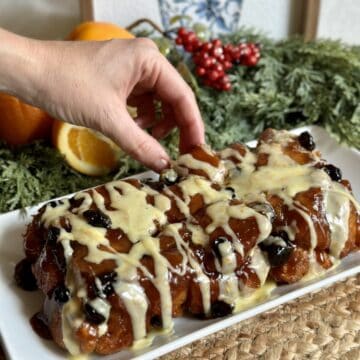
[(213, 59)]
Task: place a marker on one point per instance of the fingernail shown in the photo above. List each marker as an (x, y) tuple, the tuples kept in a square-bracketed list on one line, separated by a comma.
[(162, 164)]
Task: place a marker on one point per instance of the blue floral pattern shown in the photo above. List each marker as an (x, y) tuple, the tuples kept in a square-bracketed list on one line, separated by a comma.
[(219, 15)]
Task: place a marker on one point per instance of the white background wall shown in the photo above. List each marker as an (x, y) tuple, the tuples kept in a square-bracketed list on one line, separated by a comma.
[(54, 19), (268, 15), (43, 19), (272, 17), (340, 19)]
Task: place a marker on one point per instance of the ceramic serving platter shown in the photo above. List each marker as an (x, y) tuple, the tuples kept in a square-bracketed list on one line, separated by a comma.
[(17, 306)]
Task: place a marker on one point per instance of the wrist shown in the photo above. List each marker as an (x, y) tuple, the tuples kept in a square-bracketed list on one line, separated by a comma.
[(20, 65)]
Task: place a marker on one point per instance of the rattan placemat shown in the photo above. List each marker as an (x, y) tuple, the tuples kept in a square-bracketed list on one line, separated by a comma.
[(322, 325)]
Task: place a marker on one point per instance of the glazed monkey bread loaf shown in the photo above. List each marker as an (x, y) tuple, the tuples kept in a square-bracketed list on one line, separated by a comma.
[(118, 260)]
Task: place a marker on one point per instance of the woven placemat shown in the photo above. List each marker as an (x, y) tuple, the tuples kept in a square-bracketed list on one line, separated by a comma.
[(322, 325)]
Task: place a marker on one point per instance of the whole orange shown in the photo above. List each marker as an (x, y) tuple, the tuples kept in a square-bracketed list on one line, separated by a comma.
[(93, 30), (21, 123)]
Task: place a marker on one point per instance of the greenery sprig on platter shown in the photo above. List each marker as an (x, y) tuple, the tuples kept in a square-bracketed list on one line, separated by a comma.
[(294, 84)]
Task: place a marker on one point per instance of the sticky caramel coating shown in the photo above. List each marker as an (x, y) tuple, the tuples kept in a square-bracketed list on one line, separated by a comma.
[(49, 267), (306, 212), (312, 201)]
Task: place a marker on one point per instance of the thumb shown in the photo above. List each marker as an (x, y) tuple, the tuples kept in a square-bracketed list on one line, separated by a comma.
[(137, 143)]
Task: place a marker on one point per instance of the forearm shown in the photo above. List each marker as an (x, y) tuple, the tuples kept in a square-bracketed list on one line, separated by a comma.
[(19, 65)]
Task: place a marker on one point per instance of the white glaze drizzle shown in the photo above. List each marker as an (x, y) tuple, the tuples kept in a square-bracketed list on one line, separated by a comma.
[(220, 214), (139, 221), (337, 215), (202, 279), (134, 215), (260, 265), (284, 177), (215, 173)]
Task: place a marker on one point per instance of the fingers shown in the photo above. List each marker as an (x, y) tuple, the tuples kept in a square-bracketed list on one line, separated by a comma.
[(138, 143), (172, 89), (146, 119), (145, 110), (161, 78), (164, 127), (144, 103)]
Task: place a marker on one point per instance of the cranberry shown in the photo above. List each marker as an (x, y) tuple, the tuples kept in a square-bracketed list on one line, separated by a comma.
[(264, 209), (225, 79), (220, 308), (92, 316), (217, 51), (227, 57), (333, 171), (226, 86), (24, 276), (206, 63), (52, 234), (190, 37), (217, 43), (214, 75), (227, 65), (236, 54), (97, 218), (220, 57), (307, 141), (197, 59), (200, 71), (107, 281), (207, 46), (215, 246), (156, 321), (228, 48), (250, 60), (55, 203), (188, 47), (178, 41), (231, 190), (111, 276), (278, 253), (213, 58), (252, 46), (182, 31), (204, 55), (218, 67), (61, 294), (256, 52), (39, 324)]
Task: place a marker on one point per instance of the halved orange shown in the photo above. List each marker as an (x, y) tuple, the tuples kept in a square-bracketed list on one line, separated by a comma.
[(85, 150)]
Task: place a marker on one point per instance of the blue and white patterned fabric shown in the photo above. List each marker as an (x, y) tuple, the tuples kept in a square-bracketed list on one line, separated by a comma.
[(219, 15)]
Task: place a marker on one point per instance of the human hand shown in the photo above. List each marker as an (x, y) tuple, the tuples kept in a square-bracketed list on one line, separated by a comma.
[(91, 83)]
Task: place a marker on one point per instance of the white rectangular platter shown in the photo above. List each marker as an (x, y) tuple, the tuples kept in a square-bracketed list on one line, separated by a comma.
[(17, 306)]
